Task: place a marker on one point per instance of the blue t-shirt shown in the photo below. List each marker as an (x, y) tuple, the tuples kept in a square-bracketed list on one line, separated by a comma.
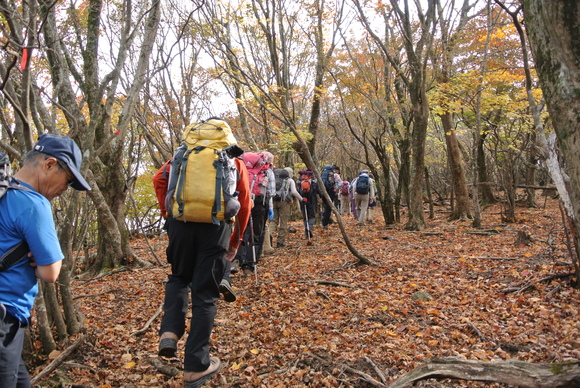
[(25, 215)]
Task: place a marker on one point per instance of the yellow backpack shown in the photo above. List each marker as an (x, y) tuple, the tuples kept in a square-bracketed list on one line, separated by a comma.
[(203, 176)]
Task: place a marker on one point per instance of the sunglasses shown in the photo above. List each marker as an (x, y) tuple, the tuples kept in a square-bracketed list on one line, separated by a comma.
[(65, 168)]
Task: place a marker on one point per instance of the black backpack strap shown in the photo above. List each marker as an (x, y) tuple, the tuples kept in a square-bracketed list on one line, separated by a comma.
[(181, 178), (14, 255), (19, 251), (219, 181)]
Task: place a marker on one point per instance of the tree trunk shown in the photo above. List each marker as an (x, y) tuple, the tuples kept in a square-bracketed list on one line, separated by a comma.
[(70, 316), (420, 119), (532, 159), (487, 196), (513, 373), (429, 195), (48, 343), (552, 29), (459, 182), (384, 185), (417, 59), (66, 237), (449, 37), (53, 310), (403, 194), (238, 93)]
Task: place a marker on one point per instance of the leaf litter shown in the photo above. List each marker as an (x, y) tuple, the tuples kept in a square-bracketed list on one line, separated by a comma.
[(317, 318)]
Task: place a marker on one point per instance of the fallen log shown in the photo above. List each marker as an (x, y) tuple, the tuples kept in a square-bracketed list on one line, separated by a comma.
[(150, 321), (516, 373), (57, 361), (163, 368), (530, 285)]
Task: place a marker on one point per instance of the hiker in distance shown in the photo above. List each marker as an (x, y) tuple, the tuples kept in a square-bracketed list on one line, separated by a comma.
[(47, 171), (363, 192), (208, 206), (285, 194), (344, 193), (330, 179), (372, 200), (308, 188), (263, 189)]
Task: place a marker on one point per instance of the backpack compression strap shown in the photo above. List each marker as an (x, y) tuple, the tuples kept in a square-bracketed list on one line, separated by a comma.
[(14, 255), (181, 178), (219, 181)]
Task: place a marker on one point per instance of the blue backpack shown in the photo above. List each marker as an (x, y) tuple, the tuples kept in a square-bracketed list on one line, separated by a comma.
[(328, 178), (363, 184)]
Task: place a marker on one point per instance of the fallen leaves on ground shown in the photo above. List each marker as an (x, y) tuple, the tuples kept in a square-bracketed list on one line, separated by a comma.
[(315, 312)]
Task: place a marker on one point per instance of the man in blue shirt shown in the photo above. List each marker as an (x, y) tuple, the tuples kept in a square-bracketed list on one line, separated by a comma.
[(25, 215)]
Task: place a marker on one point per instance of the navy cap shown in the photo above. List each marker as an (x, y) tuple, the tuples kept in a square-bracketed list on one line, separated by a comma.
[(66, 150)]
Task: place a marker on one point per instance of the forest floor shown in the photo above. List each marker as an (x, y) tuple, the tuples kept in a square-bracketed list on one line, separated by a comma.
[(316, 317)]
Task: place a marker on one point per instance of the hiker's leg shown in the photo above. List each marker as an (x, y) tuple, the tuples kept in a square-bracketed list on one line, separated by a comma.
[(364, 204), (260, 214), (179, 254), (273, 225), (358, 202), (212, 242), (13, 372), (326, 213), (266, 241), (311, 215), (284, 212), (344, 205), (370, 213), (227, 271), (244, 254)]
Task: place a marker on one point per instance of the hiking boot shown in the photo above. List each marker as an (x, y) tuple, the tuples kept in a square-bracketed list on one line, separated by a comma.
[(197, 379), (167, 347), (235, 266), (324, 226), (247, 271), (227, 291)]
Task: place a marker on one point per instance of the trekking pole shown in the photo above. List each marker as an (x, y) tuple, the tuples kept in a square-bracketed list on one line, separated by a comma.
[(307, 224), (255, 262)]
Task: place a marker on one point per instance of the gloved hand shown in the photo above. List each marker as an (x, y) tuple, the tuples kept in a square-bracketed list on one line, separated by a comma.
[(270, 214), (304, 199)]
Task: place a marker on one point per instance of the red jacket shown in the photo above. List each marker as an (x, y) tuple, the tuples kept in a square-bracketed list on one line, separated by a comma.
[(243, 216)]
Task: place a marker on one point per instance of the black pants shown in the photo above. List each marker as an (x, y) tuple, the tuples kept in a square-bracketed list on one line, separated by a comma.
[(253, 246), (327, 209), (196, 252), (13, 372)]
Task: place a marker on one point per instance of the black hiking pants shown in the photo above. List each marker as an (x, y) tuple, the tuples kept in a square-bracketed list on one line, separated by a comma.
[(197, 254)]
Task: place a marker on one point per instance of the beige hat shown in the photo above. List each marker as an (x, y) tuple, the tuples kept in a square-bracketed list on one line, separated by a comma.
[(290, 171), (269, 157)]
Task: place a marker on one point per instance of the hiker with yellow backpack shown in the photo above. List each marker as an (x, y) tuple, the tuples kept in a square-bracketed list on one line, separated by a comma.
[(208, 206)]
